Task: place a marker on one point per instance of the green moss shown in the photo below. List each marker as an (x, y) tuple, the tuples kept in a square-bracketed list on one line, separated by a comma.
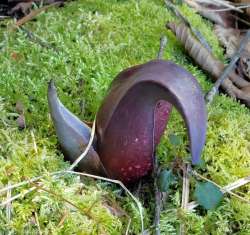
[(95, 40)]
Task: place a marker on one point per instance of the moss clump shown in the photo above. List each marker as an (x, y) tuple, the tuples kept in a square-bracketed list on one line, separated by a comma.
[(95, 40)]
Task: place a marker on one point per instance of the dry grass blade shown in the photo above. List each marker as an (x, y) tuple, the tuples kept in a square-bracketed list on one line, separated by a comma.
[(237, 184), (84, 154), (83, 212), (185, 193), (20, 195), (119, 183), (65, 214), (8, 206), (62, 173), (29, 181), (38, 224), (34, 142)]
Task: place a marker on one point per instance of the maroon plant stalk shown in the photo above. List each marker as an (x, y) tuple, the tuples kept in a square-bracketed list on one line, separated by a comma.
[(132, 119)]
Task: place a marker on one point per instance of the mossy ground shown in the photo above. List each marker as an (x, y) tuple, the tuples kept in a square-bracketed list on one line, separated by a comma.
[(95, 40)]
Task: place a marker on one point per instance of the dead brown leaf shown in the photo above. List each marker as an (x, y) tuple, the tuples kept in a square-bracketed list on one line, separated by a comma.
[(232, 86), (229, 38)]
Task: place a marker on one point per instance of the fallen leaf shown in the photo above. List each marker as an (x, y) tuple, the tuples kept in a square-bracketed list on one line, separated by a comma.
[(232, 86), (229, 38), (175, 139), (166, 178), (208, 195)]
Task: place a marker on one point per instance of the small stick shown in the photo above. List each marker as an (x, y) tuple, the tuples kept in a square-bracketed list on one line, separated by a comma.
[(210, 95), (185, 187), (4, 17), (128, 226), (196, 32), (163, 43)]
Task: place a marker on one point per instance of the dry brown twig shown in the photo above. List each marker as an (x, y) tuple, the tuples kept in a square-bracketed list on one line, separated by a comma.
[(33, 14), (185, 21)]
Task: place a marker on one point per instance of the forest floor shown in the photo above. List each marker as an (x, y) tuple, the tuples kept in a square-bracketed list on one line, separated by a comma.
[(90, 42)]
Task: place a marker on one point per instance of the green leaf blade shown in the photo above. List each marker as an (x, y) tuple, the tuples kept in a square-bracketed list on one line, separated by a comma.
[(208, 195)]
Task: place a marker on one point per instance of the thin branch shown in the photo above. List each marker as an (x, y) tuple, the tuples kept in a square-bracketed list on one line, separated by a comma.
[(210, 95), (195, 32), (163, 43), (221, 3), (61, 174), (226, 9), (38, 40), (33, 14), (185, 187)]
